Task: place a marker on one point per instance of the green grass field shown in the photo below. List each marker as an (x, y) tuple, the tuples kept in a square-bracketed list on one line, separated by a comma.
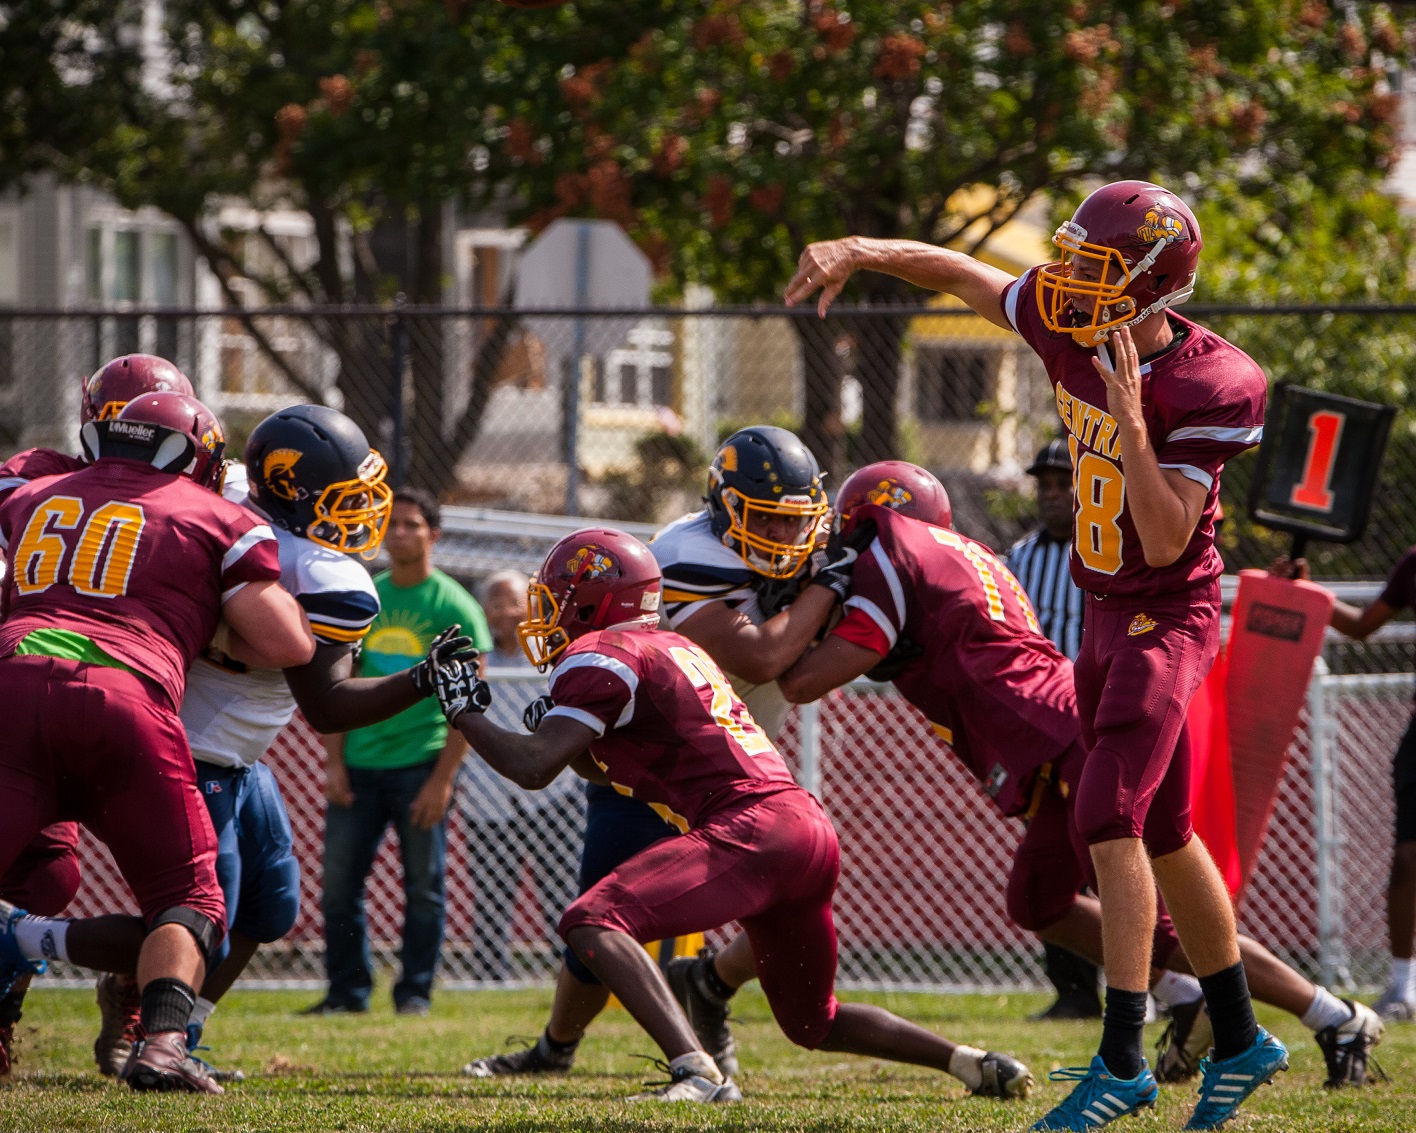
[(380, 1071)]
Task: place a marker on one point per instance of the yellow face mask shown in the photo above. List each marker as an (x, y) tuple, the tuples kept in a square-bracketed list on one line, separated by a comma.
[(779, 557), (352, 515), (542, 639)]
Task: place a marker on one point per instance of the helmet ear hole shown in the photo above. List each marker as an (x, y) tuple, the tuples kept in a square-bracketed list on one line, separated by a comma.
[(585, 614)]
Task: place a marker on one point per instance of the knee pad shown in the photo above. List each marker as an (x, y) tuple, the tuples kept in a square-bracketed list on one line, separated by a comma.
[(576, 967), (205, 931)]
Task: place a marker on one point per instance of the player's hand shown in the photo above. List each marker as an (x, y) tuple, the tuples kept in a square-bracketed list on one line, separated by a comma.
[(833, 565), (1122, 376), (429, 805), (827, 264), (337, 788), (1284, 567), (450, 645), (536, 712), (459, 689)]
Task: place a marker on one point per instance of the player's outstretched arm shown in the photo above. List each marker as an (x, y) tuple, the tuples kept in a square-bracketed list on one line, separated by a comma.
[(334, 700), (269, 630), (759, 653), (532, 761), (1355, 621), (833, 663), (827, 264)]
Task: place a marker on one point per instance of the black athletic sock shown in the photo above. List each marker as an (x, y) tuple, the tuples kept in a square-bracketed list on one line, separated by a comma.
[(167, 1005), (1230, 1010), (558, 1047), (712, 982), (1121, 1027)]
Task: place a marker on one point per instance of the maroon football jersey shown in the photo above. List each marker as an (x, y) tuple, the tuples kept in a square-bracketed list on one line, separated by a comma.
[(32, 464), (993, 687), (670, 729), (138, 561), (1203, 401)]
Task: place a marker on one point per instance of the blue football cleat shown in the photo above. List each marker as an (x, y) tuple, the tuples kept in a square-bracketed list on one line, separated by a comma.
[(1099, 1098), (13, 964), (1226, 1084)]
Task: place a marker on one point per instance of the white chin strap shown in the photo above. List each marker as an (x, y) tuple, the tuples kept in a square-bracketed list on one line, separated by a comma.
[(1174, 299)]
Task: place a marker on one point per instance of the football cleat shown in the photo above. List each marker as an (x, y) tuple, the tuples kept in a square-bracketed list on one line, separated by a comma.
[(686, 1086), (194, 1044), (1224, 1085), (1394, 1009), (537, 1058), (1098, 1099), (119, 1008), (13, 964), (161, 1063), (1347, 1047), (1184, 1043), (1003, 1077), (707, 1014)]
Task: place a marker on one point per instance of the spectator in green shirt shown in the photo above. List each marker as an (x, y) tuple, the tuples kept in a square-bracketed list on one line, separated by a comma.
[(399, 772)]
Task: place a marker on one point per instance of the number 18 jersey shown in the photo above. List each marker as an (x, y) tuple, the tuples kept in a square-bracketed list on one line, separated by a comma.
[(1203, 401), (669, 729)]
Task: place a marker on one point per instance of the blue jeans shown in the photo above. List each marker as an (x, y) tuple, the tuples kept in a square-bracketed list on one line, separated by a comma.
[(352, 837), (255, 861)]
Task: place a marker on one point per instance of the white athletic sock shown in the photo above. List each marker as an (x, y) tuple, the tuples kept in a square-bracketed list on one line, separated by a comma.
[(200, 1012), (1326, 1010), (42, 938), (1175, 988), (696, 1062), (1403, 980), (966, 1064)]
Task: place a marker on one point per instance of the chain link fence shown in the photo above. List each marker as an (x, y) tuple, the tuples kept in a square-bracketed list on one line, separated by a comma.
[(924, 854)]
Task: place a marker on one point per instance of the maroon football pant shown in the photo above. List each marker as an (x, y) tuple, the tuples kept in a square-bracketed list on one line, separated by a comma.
[(1053, 862), (46, 875), (91, 744), (1141, 661), (769, 864)]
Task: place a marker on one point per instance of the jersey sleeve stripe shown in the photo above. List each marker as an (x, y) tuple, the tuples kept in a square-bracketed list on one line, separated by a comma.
[(1190, 472), (1010, 302), (892, 580), (10, 483), (610, 665), (251, 538), (231, 591), (1244, 435), (338, 634), (875, 614), (580, 716)]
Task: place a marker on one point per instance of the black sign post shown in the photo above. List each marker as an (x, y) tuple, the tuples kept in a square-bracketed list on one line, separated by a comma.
[(1318, 465)]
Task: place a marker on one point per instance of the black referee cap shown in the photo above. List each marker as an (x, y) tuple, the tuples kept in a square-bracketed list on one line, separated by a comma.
[(1052, 455)]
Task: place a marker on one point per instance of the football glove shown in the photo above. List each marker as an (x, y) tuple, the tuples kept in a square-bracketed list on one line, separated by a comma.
[(896, 661), (459, 689), (831, 566), (450, 645), (536, 712)]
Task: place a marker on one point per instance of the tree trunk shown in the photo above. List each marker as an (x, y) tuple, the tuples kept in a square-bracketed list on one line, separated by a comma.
[(824, 365), (426, 336), (879, 353)]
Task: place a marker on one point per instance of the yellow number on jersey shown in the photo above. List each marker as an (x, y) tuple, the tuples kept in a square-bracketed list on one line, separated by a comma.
[(702, 671), (989, 571), (1101, 495), (115, 526)]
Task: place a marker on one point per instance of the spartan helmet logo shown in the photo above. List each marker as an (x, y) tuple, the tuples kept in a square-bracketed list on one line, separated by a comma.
[(1160, 226), (593, 562), (890, 494), (278, 471)]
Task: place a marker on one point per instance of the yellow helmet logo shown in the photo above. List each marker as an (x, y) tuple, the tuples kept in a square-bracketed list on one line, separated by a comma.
[(278, 471), (890, 494), (1160, 226), (592, 561), (727, 459)]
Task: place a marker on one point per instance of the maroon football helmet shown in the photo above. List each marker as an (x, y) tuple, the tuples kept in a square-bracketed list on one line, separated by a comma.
[(1130, 249), (171, 431), (592, 579), (898, 485), (116, 383)]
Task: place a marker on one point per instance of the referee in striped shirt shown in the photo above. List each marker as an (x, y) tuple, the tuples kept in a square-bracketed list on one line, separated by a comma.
[(1040, 563)]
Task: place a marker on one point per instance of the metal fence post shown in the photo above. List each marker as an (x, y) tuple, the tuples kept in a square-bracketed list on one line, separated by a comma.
[(399, 469), (809, 728), (1332, 953), (574, 375)]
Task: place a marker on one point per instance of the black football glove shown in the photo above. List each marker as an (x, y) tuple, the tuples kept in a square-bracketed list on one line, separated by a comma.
[(832, 566), (896, 661), (536, 712), (459, 689), (450, 645)]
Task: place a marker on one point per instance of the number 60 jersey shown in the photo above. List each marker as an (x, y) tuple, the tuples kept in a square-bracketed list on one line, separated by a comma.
[(1203, 399)]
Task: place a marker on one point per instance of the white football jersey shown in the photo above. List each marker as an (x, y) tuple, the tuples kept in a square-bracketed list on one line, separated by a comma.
[(698, 569), (233, 714)]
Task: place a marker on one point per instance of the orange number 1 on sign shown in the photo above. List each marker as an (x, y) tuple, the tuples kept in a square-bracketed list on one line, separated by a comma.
[(1315, 489)]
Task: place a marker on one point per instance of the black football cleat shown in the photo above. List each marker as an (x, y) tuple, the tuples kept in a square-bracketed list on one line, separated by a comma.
[(1347, 1047), (707, 1014)]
